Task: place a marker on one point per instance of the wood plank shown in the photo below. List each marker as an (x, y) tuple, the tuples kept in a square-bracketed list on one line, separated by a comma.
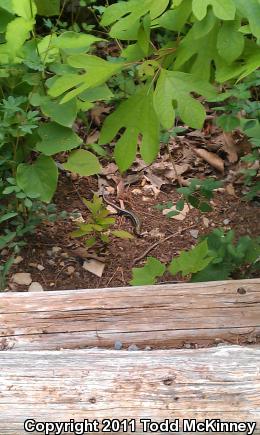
[(219, 383), (159, 316)]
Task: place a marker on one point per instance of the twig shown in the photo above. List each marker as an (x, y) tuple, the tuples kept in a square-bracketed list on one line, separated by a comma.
[(138, 259)]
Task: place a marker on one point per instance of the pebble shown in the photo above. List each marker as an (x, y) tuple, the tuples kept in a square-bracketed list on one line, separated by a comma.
[(35, 287), (56, 249), (194, 233), (51, 262), (64, 255), (118, 345), (18, 260), (148, 348), (70, 270), (22, 278), (133, 347), (40, 267), (4, 252), (35, 265), (205, 222), (226, 222)]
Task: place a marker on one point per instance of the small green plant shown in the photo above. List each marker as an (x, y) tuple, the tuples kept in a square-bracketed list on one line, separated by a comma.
[(98, 226), (197, 194), (252, 159), (216, 257), (239, 106)]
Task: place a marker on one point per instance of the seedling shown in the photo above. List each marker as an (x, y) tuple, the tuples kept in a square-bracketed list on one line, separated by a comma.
[(98, 226)]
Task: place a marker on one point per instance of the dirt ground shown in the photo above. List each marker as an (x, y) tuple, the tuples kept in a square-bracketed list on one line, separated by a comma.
[(55, 260)]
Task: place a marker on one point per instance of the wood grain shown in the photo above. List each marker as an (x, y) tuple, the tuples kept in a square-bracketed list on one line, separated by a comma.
[(159, 316), (223, 383)]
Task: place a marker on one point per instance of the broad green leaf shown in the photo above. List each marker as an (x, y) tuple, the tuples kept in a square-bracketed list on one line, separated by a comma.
[(137, 116), (98, 72), (133, 53), (18, 31), (7, 216), (250, 10), (38, 180), (199, 48), (147, 275), (72, 42), (230, 41), (178, 86), (5, 18), (48, 8), (214, 272), (175, 19), (64, 114), (47, 49), (122, 234), (56, 138), (244, 66), (25, 8), (192, 261), (83, 163), (101, 93), (127, 15), (223, 9), (7, 5)]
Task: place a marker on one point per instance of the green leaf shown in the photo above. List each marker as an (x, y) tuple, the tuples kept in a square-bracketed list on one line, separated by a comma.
[(56, 138), (7, 216), (137, 116), (7, 5), (251, 11), (48, 8), (64, 114), (91, 242), (25, 8), (214, 272), (147, 275), (5, 18), (72, 42), (128, 15), (177, 86), (230, 43), (199, 48), (38, 180), (228, 123), (175, 19), (122, 234), (83, 162), (98, 72), (18, 31), (192, 261), (223, 9), (83, 230), (101, 93)]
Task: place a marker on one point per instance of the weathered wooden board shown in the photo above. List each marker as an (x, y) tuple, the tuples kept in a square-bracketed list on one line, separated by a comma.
[(50, 386), (159, 316)]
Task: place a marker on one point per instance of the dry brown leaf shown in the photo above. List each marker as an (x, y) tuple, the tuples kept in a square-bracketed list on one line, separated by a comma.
[(97, 114), (230, 190), (214, 160), (111, 168), (95, 267), (180, 169), (154, 179), (93, 138), (182, 214), (230, 147)]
